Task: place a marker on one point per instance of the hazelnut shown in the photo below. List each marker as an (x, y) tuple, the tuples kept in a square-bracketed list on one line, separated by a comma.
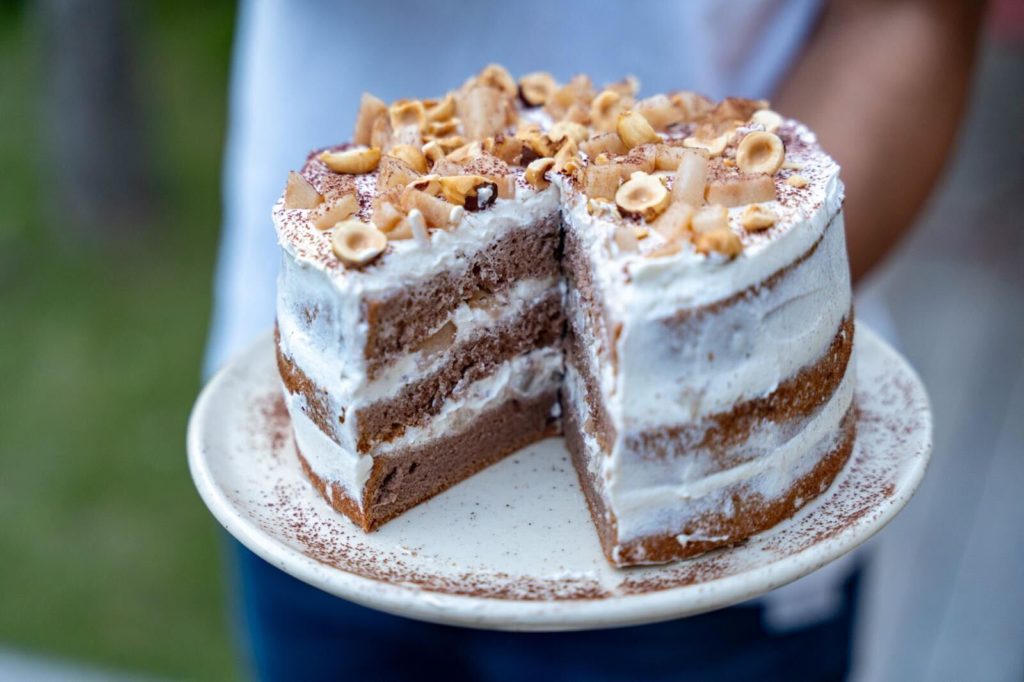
[(659, 111), (535, 172), (434, 129), (721, 241), (642, 195), (472, 192), (466, 152), (508, 149), (714, 146), (691, 178), (370, 109), (433, 152), (441, 111), (767, 118), (578, 92), (484, 112), (624, 237), (634, 130), (797, 181), (757, 217), (602, 181), (436, 211), (496, 76), (567, 129), (385, 216), (735, 110), (393, 172), (603, 143), (407, 112), (628, 86), (355, 161), (710, 218), (539, 143), (412, 156), (431, 184), (330, 213), (298, 193), (760, 152), (737, 190), (357, 243), (674, 223), (535, 89), (567, 159), (666, 249), (691, 105), (605, 110)]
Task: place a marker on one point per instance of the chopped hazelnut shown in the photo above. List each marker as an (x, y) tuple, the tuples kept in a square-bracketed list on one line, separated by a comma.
[(496, 76), (298, 193), (709, 218), (436, 211), (721, 241), (412, 156), (737, 190), (674, 223), (385, 216), (370, 109), (659, 111), (602, 181), (760, 152), (634, 130), (357, 243), (472, 192), (567, 129), (393, 172), (535, 172), (714, 146), (484, 112), (625, 238), (603, 143), (536, 88), (443, 110), (691, 178), (330, 213), (433, 152), (605, 110), (767, 118), (407, 112), (691, 105), (797, 181), (642, 195), (355, 161), (466, 152), (756, 217)]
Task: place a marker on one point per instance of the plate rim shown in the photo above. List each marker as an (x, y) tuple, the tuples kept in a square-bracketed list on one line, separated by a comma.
[(616, 610)]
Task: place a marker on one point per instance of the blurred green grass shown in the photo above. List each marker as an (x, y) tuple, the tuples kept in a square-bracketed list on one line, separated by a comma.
[(108, 555)]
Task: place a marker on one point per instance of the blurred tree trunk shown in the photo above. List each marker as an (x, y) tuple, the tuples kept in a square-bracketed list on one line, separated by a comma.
[(94, 151)]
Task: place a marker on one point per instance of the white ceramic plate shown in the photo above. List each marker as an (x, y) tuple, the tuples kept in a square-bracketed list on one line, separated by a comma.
[(513, 547)]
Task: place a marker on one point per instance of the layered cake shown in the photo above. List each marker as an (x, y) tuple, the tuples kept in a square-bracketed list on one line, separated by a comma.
[(661, 280)]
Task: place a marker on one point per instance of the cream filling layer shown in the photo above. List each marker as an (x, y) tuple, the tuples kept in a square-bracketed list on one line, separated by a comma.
[(526, 376), (657, 498)]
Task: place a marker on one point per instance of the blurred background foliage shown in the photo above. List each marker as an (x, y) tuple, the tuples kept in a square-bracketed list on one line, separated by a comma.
[(107, 556)]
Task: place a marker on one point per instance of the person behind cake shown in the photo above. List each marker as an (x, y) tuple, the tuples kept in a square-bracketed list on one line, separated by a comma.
[(702, 42)]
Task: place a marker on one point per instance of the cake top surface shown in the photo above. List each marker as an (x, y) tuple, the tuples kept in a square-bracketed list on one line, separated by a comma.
[(672, 189)]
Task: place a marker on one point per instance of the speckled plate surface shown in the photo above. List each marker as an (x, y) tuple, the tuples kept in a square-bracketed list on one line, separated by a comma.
[(513, 547)]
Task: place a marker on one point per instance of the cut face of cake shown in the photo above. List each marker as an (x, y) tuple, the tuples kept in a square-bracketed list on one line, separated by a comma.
[(663, 281)]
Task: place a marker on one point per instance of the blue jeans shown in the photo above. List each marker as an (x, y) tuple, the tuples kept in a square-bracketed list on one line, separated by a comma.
[(296, 632)]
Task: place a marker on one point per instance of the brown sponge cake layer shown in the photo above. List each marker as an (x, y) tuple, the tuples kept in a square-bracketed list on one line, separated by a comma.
[(752, 513), (408, 476), (416, 403), (399, 321)]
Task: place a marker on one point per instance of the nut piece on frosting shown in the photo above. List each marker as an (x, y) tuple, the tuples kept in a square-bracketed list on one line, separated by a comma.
[(536, 170), (721, 241), (797, 181), (536, 88), (440, 110), (472, 192), (355, 161), (760, 152), (370, 109), (642, 195), (756, 218), (330, 213), (411, 155), (714, 146), (357, 243), (659, 111), (634, 130), (767, 118), (298, 193), (737, 190), (498, 77), (710, 218), (691, 178), (605, 110)]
